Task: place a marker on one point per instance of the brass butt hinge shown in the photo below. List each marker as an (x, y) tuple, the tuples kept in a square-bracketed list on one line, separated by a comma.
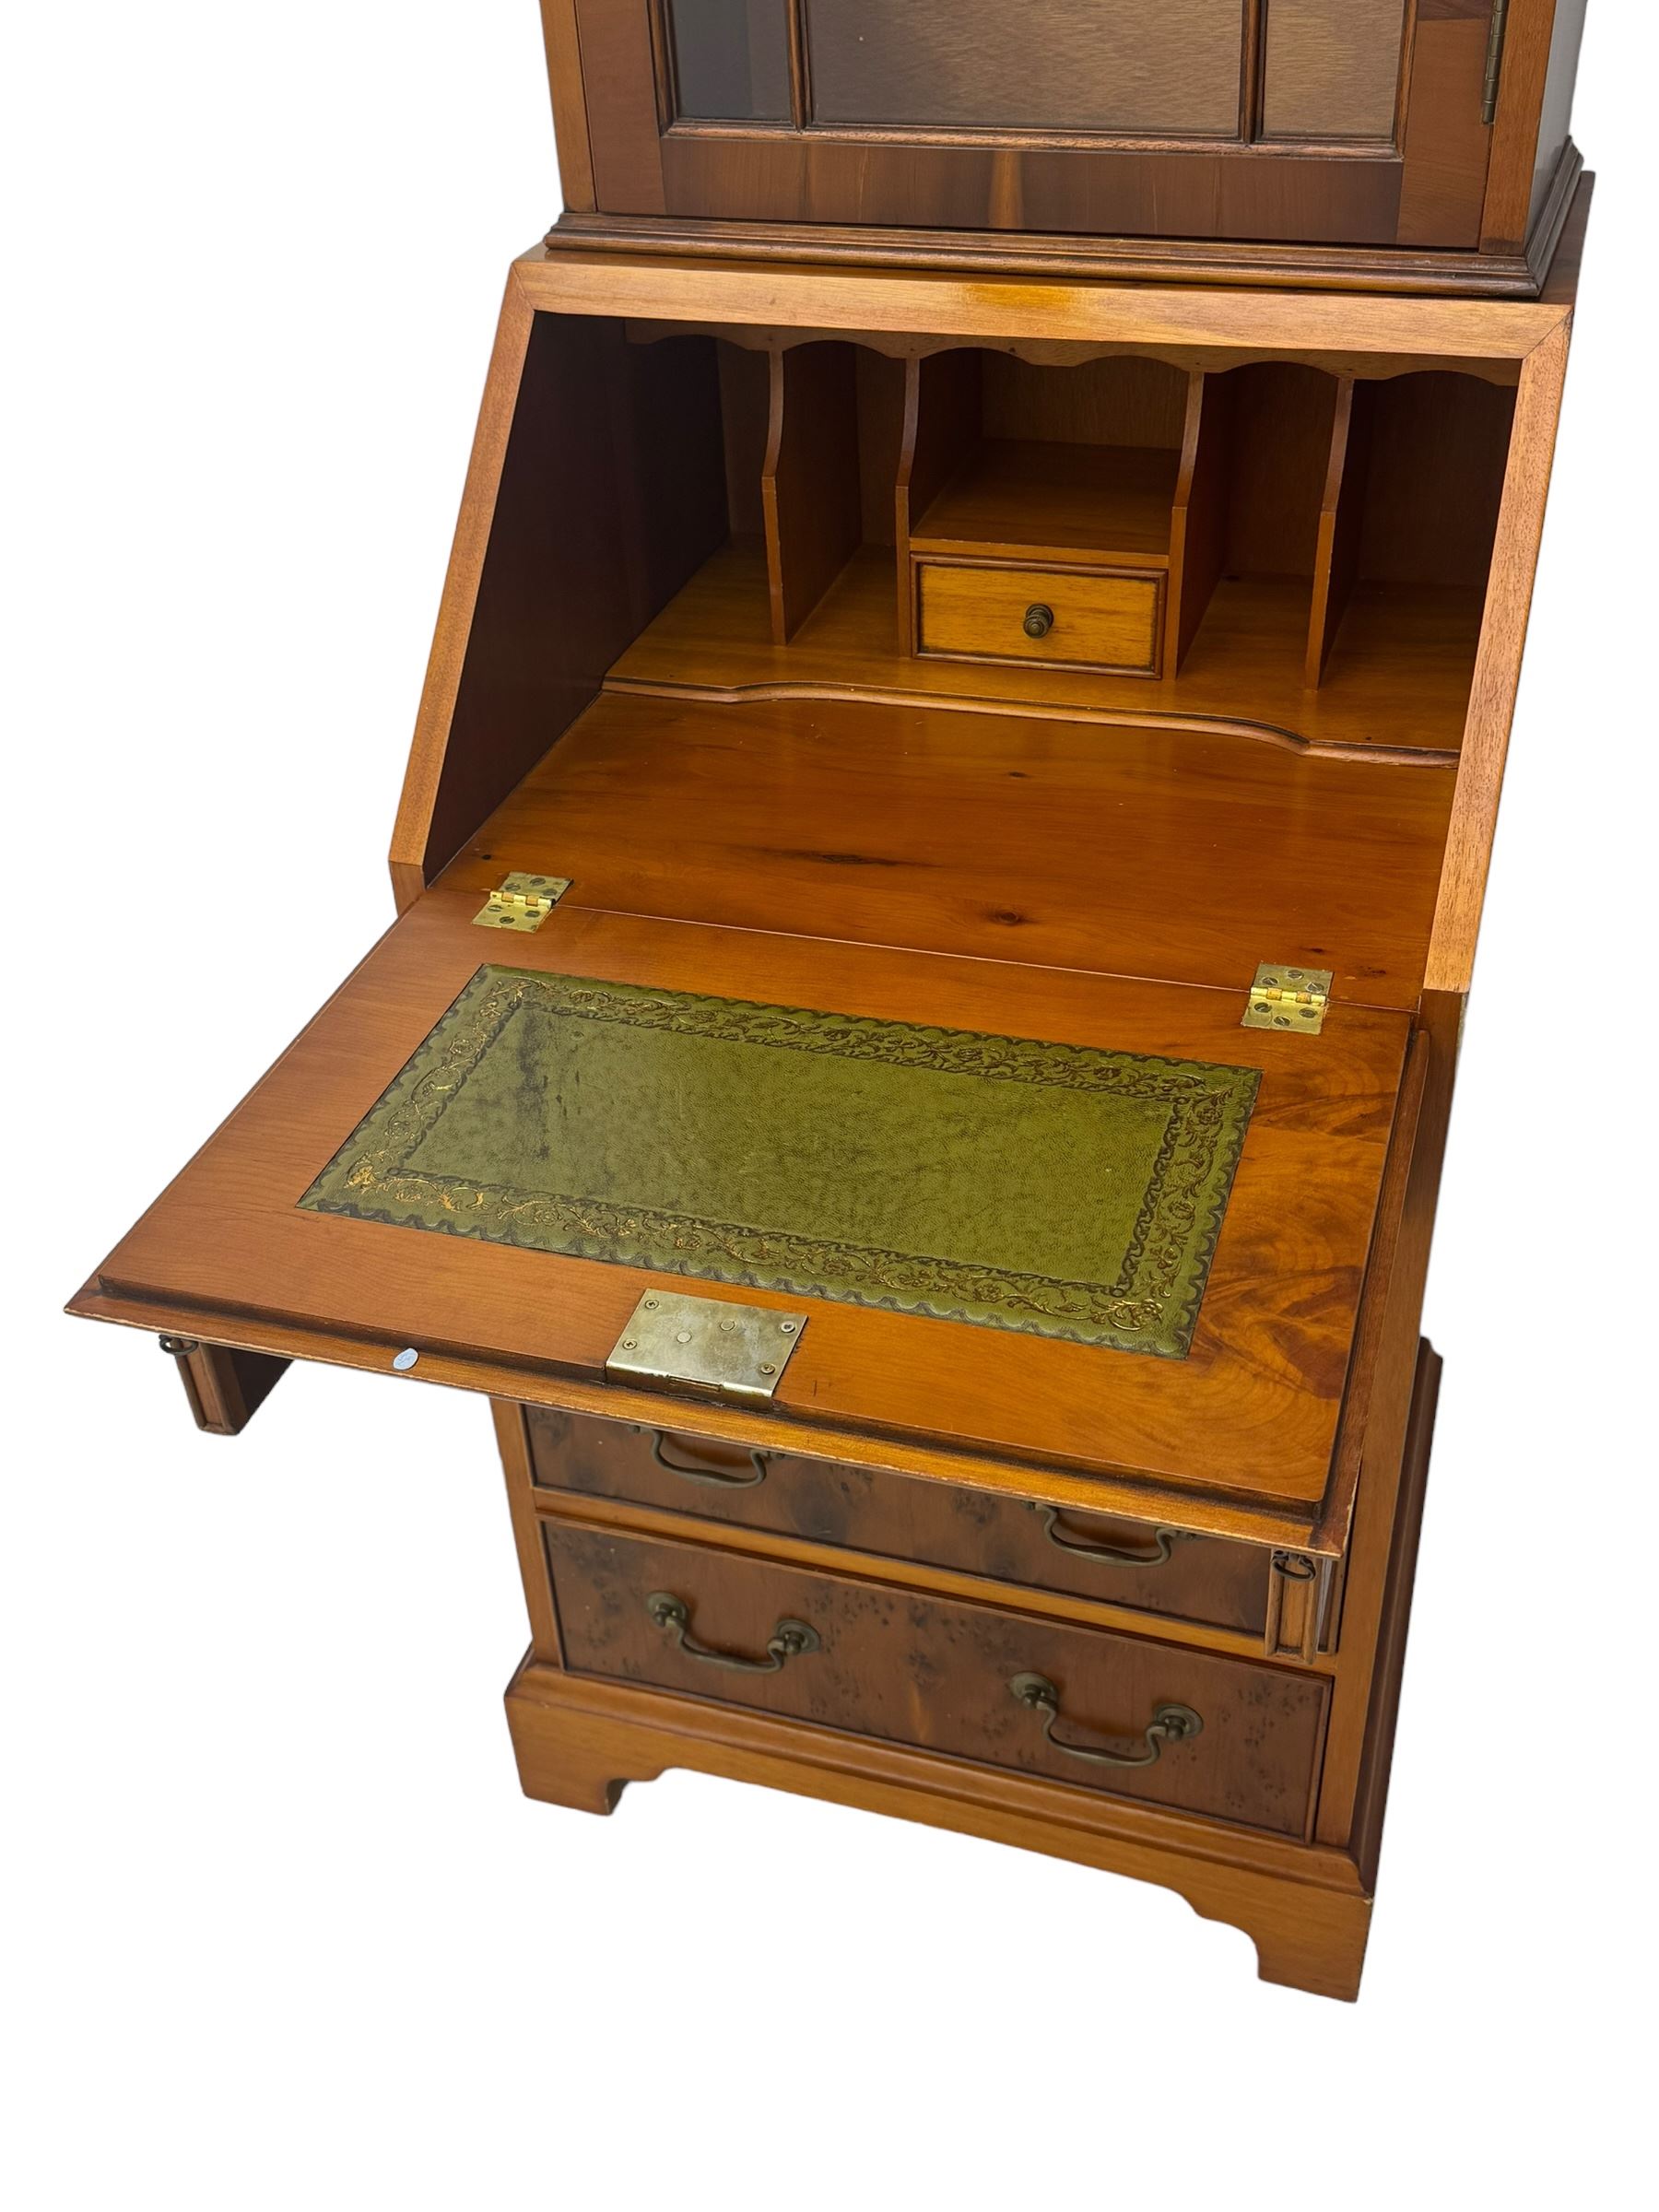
[(521, 903), (1494, 61), (1289, 998)]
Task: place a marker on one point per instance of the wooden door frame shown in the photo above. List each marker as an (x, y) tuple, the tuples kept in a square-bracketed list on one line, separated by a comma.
[(1524, 208)]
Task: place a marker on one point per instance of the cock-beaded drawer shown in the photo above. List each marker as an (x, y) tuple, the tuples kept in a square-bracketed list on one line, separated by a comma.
[(1142, 1565), (1187, 1729)]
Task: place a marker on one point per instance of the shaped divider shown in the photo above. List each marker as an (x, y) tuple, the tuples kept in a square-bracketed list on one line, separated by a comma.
[(1269, 542), (1198, 524), (809, 480), (943, 398), (1407, 520), (1341, 515)]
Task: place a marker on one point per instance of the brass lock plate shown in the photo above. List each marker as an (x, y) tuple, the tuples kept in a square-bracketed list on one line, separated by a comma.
[(705, 1343)]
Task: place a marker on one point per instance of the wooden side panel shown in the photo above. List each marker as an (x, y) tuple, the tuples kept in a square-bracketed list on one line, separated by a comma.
[(570, 102), (1535, 106), (1341, 519), (943, 401), (1390, 1664), (411, 832), (1413, 1156), (1280, 460), (943, 405), (1372, 1449), (880, 441), (1198, 526), (619, 70), (1498, 666), (1439, 448), (1555, 108), (810, 487), (1447, 145), (745, 416), (610, 493), (512, 1441), (664, 422)]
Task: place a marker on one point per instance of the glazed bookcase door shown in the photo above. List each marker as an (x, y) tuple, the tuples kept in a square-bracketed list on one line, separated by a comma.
[(1342, 122)]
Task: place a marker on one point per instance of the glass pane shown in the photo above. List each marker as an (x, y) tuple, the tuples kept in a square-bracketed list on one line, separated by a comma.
[(1120, 65), (731, 59), (1332, 68)]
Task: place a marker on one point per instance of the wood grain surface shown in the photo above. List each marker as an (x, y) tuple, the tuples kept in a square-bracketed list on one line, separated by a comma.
[(935, 1673), (832, 1503), (1251, 1412), (1366, 117), (580, 1740), (1508, 272), (810, 489), (979, 610), (1052, 498), (1350, 332), (1498, 667), (1396, 682), (1139, 850), (1332, 68), (1535, 102), (1046, 66)]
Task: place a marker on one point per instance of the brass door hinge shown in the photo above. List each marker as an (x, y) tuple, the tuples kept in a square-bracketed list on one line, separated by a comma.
[(1494, 61), (521, 903), (1289, 998)]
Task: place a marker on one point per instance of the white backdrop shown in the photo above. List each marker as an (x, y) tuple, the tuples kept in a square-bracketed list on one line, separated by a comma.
[(282, 1930)]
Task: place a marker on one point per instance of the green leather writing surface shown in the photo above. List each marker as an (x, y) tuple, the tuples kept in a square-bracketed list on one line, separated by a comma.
[(1055, 1189)]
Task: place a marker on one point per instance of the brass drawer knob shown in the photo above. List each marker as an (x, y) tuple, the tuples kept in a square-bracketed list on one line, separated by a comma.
[(790, 1640), (1169, 1725), (1038, 621), (1115, 1555)]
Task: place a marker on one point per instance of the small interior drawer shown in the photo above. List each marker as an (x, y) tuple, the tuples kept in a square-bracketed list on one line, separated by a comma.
[(1184, 1728), (1062, 617), (1201, 1578)]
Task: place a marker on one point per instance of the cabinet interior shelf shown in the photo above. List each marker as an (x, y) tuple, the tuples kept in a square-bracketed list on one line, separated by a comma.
[(1049, 500), (1397, 680), (1269, 542)]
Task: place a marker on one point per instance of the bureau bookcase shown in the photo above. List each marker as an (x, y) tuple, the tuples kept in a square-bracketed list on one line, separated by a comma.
[(1418, 144), (937, 882)]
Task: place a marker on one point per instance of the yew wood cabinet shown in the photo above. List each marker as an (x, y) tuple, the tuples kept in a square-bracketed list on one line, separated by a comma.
[(937, 883), (1413, 145)]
